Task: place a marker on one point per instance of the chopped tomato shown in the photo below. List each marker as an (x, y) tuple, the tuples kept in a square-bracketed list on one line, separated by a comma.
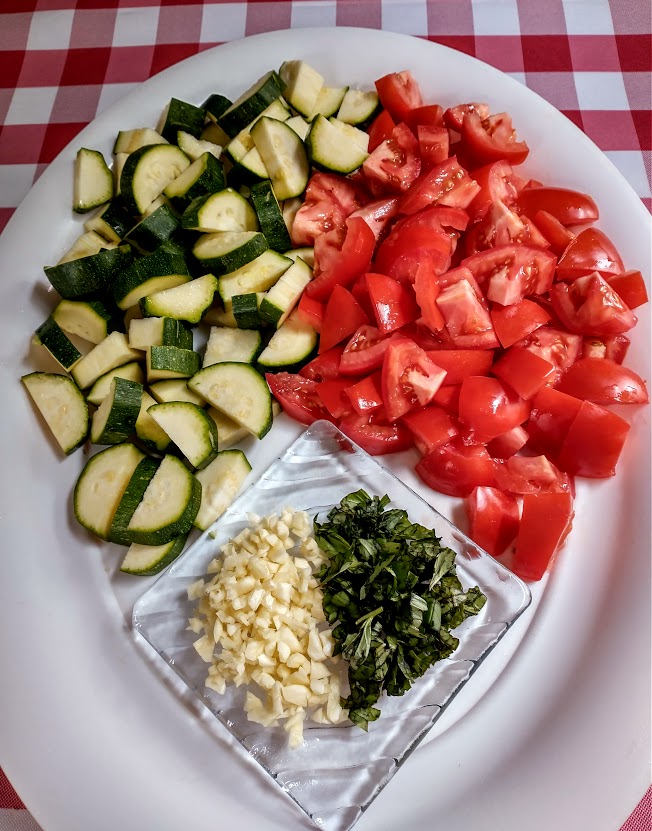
[(431, 427), (556, 346), (360, 291), (557, 235), (492, 139), (591, 307), (324, 367), (454, 116), (524, 371), (498, 183), (509, 443), (410, 379), (589, 251), (513, 323), (467, 320), (328, 201), (568, 207), (343, 317), (593, 443), (311, 311), (552, 414), (426, 290), (434, 145), (333, 396), (298, 397), (339, 261), (364, 352), (545, 523), (380, 129), (493, 519), (488, 408), (378, 214), (446, 184), (460, 363), (375, 435), (456, 468), (394, 302), (531, 474), (512, 271), (502, 226), (603, 382), (448, 397), (430, 115), (630, 287), (613, 347), (366, 395), (399, 93), (395, 164)]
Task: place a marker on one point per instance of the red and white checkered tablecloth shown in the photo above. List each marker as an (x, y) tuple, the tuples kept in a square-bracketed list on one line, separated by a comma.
[(64, 61)]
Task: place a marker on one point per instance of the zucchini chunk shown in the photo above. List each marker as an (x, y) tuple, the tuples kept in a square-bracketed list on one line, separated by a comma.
[(229, 432), (239, 392), (186, 302), (153, 230), (224, 344), (226, 210), (258, 275), (148, 171), (329, 101), (283, 155), (190, 428), (101, 485), (112, 222), (100, 389), (336, 146), (180, 115), (169, 505), (115, 419), (224, 252), (131, 498), (89, 319), (175, 389), (251, 104), (216, 105), (206, 175), (220, 483), (195, 147), (171, 362), (307, 254), (302, 86), (147, 560), (112, 352), (270, 216), (93, 184), (62, 406), (221, 314), (164, 268), (159, 331), (89, 275), (50, 335), (128, 141), (299, 125), (284, 295), (291, 344), (147, 430), (85, 245), (246, 310), (359, 107)]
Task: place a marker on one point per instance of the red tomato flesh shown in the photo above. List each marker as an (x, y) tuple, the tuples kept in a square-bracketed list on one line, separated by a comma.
[(630, 287), (431, 427), (568, 207), (488, 408), (513, 323), (364, 352), (410, 379), (524, 371), (333, 396), (446, 184), (324, 367), (399, 93), (493, 519), (492, 139), (589, 251), (603, 382), (460, 363), (380, 129), (298, 397), (311, 311), (594, 442), (339, 260), (374, 435), (366, 395), (456, 468), (545, 523), (343, 317), (393, 302)]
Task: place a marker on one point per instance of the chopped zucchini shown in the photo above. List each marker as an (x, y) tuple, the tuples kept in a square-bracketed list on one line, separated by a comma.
[(215, 105), (205, 175), (358, 107), (223, 211), (88, 275), (112, 222), (284, 295), (159, 331), (194, 147), (111, 353), (302, 86), (251, 104), (224, 252), (148, 171), (226, 344), (171, 362), (180, 115), (164, 268), (157, 227), (86, 245), (246, 309), (220, 482), (147, 430), (175, 390), (229, 432), (283, 155), (329, 101), (306, 254), (62, 406), (299, 125), (93, 184), (190, 428), (270, 216), (258, 275), (100, 389), (131, 498), (115, 419), (334, 145), (89, 319), (292, 343), (147, 560), (186, 302), (128, 141), (50, 335)]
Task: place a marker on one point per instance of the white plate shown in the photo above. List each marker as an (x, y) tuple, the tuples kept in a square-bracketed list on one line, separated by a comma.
[(96, 737)]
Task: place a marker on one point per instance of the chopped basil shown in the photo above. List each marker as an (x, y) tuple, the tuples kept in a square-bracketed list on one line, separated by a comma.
[(391, 595)]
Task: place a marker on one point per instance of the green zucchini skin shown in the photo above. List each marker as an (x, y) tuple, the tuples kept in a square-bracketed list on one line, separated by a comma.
[(270, 216), (123, 406), (168, 259), (159, 227), (183, 116), (246, 310), (215, 105), (146, 563), (62, 406), (252, 246), (250, 105), (89, 277), (131, 498), (204, 176), (54, 339)]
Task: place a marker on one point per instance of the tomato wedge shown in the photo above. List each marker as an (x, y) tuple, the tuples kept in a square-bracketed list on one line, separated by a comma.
[(509, 443), (568, 207), (332, 394), (364, 352), (311, 311), (512, 271), (589, 251), (328, 201), (380, 129), (467, 320), (460, 363), (399, 93), (410, 379), (590, 306), (545, 523), (630, 287), (523, 371), (431, 427), (298, 397), (552, 414), (373, 434), (556, 346), (498, 183), (594, 442), (446, 184), (395, 163), (493, 519), (378, 214), (454, 116), (515, 322), (488, 408), (366, 395), (343, 316), (393, 302), (324, 367), (426, 291), (603, 382), (492, 139), (456, 468), (557, 235), (339, 261), (434, 145), (531, 474)]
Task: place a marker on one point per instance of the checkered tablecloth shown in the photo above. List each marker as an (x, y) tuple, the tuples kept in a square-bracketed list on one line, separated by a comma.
[(64, 61)]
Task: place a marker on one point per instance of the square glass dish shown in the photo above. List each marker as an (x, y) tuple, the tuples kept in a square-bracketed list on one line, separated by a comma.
[(338, 770)]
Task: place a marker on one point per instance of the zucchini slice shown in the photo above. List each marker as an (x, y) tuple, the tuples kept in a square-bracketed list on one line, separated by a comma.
[(307, 254), (147, 560), (112, 352), (50, 335), (258, 275), (216, 105), (223, 211), (220, 483), (186, 302), (171, 362), (159, 331), (85, 245), (251, 104), (164, 268), (148, 171), (226, 251), (283, 155), (205, 175), (224, 344), (62, 406), (101, 485), (89, 319), (335, 145), (195, 147), (93, 183), (169, 505), (175, 390), (239, 392), (153, 230), (246, 310), (291, 344), (190, 428), (128, 141), (131, 498), (302, 86), (115, 419), (100, 389), (180, 115), (229, 432), (299, 125), (270, 216), (284, 295), (215, 134), (329, 101), (119, 160), (112, 222), (358, 107), (147, 430), (88, 275)]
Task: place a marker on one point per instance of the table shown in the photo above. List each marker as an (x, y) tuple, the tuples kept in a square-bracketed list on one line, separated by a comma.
[(62, 62)]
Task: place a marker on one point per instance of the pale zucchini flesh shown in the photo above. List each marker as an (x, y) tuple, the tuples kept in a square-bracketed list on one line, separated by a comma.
[(190, 428), (132, 371), (186, 302), (115, 419), (221, 481), (148, 171), (175, 390), (226, 344), (147, 560), (93, 182), (147, 430), (284, 156), (291, 344), (62, 406), (112, 352), (258, 275)]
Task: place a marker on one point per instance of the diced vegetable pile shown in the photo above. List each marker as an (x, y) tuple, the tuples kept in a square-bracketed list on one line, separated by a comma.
[(454, 306)]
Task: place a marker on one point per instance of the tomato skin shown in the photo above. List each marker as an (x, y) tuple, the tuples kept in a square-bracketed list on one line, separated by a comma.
[(630, 287), (454, 116), (364, 352), (395, 164), (456, 468), (492, 139), (524, 371), (551, 416), (311, 311), (460, 363), (366, 395), (545, 523), (511, 272), (513, 323), (568, 207), (589, 306), (324, 367), (430, 115), (434, 145), (431, 427), (378, 214), (488, 408), (603, 382), (498, 183), (380, 129), (328, 201), (409, 378), (376, 437), (448, 398), (394, 302), (399, 93), (446, 184), (426, 290), (509, 443), (558, 347), (557, 235), (342, 266), (593, 443), (493, 519), (589, 251), (298, 397), (343, 316), (332, 394)]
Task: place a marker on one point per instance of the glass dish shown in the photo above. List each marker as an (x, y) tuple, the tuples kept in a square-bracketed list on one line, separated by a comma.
[(338, 770)]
